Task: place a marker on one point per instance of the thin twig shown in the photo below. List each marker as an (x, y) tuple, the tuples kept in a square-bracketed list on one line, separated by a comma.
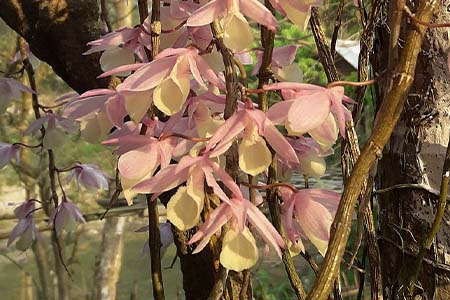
[(419, 21)]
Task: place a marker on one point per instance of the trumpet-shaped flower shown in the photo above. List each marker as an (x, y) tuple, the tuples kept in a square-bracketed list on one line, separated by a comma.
[(90, 176), (308, 108), (66, 215), (239, 246), (169, 78), (7, 152), (282, 63), (254, 156), (25, 230), (11, 89), (237, 32), (313, 211), (297, 11), (136, 39), (310, 155), (194, 169), (54, 136), (139, 157)]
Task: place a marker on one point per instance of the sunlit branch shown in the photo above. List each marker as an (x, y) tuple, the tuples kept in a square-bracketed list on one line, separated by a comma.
[(421, 22)]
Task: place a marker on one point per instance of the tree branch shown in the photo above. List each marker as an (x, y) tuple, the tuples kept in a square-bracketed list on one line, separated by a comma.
[(385, 122), (57, 32)]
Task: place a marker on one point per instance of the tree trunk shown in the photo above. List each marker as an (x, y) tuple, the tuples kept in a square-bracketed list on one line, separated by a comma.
[(415, 154), (57, 32), (110, 259)]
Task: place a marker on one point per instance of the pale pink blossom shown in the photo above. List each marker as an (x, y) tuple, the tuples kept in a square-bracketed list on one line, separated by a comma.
[(309, 107), (237, 31), (90, 176), (309, 212), (282, 64), (25, 230), (7, 152), (11, 89), (254, 155), (66, 215)]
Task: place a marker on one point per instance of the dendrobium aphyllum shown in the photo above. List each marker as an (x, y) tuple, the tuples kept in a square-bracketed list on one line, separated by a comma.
[(297, 11), (25, 230), (313, 211), (310, 109), (11, 89), (239, 250), (88, 175), (7, 152), (195, 170), (133, 40), (169, 78), (56, 128), (311, 157), (237, 33), (66, 215), (140, 155), (254, 155), (283, 66)]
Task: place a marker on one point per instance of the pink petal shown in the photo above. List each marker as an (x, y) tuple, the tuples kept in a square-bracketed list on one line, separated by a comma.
[(84, 107), (208, 73), (122, 69), (258, 12), (215, 221), (279, 144), (208, 13), (313, 217), (150, 75), (164, 180), (227, 132), (138, 163), (265, 229), (308, 112), (277, 113), (285, 55)]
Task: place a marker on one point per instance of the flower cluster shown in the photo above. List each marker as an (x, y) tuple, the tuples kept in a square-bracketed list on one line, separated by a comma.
[(165, 122)]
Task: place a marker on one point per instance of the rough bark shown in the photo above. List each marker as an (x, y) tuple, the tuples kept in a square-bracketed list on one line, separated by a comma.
[(57, 32), (110, 259), (415, 154)]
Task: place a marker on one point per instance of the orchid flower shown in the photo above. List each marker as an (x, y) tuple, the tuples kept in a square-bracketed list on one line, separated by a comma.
[(25, 230), (165, 232), (310, 155), (184, 208), (311, 109), (131, 40), (90, 176), (239, 249), (66, 215), (297, 11), (7, 152), (139, 157), (175, 32), (254, 156), (282, 63), (54, 136), (10, 89), (169, 78), (313, 211), (237, 32)]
